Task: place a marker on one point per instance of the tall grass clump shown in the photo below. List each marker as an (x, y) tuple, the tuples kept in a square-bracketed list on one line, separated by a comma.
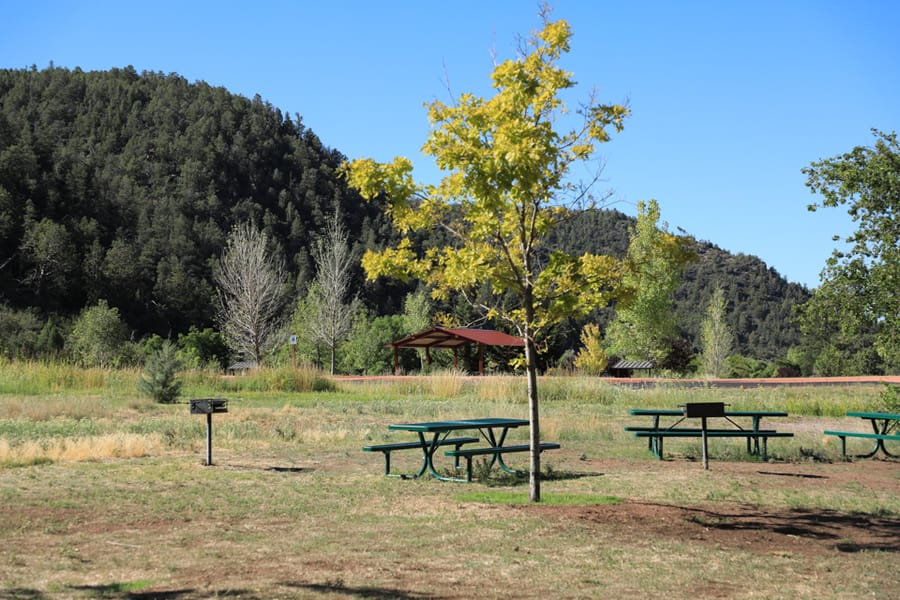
[(63, 406), (581, 389), (446, 384), (35, 377), (280, 379), (503, 388)]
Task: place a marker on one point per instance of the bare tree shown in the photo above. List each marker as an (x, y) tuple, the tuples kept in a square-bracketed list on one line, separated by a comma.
[(252, 285), (329, 295)]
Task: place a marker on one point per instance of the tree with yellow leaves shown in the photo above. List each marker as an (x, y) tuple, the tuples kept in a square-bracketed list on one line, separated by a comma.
[(507, 185)]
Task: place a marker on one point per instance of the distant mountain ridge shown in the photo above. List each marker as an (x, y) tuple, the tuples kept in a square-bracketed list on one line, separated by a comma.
[(760, 301), (123, 186)]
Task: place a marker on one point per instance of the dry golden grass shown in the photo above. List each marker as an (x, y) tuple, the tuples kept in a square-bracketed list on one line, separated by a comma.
[(114, 445)]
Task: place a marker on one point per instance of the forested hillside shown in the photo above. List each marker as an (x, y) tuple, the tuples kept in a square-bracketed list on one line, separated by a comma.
[(760, 301), (124, 186)]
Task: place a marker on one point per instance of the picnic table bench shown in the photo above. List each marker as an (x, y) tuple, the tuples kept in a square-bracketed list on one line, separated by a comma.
[(757, 437), (386, 449), (885, 427), (496, 453), (435, 434)]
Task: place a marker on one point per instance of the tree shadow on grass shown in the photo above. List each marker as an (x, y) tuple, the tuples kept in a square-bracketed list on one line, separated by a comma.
[(849, 532), (21, 594), (339, 589), (119, 590), (496, 477), (264, 467)]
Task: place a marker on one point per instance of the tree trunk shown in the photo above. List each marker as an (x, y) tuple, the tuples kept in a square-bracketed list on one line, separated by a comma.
[(534, 472), (332, 359), (534, 480)]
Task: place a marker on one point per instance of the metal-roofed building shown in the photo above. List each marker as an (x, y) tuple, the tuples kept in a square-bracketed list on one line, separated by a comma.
[(454, 338)]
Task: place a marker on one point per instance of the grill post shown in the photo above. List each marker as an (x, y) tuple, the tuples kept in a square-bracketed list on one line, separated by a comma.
[(209, 440), (704, 410), (208, 406)]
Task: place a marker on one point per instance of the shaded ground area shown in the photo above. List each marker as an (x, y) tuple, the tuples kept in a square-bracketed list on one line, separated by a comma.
[(795, 532), (792, 532)]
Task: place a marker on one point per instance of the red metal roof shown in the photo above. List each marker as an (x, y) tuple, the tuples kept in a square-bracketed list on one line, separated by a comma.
[(444, 337)]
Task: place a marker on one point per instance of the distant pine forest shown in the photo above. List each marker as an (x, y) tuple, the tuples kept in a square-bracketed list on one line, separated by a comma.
[(120, 188)]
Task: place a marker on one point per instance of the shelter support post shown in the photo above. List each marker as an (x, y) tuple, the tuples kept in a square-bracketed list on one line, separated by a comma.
[(481, 359)]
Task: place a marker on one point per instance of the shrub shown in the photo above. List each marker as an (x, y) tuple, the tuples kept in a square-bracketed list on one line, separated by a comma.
[(159, 380), (98, 337)]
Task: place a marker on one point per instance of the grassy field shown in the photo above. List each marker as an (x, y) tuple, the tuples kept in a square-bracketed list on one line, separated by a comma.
[(105, 495)]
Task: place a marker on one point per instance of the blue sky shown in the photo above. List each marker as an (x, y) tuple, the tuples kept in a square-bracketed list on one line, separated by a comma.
[(730, 100)]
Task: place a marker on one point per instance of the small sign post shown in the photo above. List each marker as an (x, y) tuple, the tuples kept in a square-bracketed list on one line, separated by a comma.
[(294, 351)]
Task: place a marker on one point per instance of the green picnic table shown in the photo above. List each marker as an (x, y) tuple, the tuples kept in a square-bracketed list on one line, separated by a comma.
[(885, 427), (754, 434), (431, 435)]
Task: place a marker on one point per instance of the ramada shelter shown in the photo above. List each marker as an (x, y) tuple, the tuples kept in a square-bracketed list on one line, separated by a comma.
[(454, 338)]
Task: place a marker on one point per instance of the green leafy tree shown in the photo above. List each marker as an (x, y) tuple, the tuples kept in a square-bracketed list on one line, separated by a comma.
[(417, 317), (98, 336), (203, 348), (505, 189), (645, 326), (716, 338), (160, 377), (48, 249), (365, 351), (308, 349), (858, 294), (591, 358)]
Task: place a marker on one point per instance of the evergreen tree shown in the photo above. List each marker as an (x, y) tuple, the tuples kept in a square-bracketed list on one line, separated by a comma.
[(159, 379)]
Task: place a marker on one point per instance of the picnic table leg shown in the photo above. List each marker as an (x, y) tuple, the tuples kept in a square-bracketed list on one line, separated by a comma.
[(495, 443), (878, 443), (429, 449), (755, 449), (885, 450), (656, 446), (885, 429)]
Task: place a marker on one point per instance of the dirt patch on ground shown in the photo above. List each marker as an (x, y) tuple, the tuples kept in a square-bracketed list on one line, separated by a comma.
[(759, 530), (793, 532)]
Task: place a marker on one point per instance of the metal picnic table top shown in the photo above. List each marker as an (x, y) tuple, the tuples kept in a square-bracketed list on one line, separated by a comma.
[(875, 415), (677, 412), (457, 424)]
